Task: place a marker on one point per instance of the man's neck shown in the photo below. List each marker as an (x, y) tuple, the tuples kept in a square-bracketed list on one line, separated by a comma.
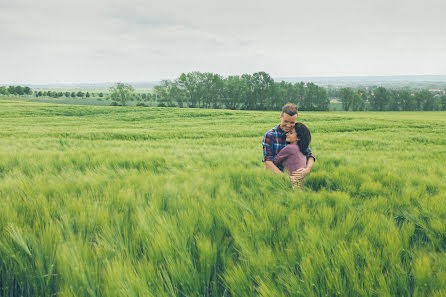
[(280, 129)]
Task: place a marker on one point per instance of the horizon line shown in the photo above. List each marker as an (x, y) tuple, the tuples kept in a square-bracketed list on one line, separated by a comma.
[(274, 77)]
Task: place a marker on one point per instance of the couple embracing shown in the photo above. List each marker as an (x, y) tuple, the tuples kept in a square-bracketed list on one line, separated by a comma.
[(286, 147)]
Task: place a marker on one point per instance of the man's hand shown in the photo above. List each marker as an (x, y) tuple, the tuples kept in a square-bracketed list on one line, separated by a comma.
[(301, 173)]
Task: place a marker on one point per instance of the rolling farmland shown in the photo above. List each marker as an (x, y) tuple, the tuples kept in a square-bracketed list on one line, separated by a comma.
[(126, 201)]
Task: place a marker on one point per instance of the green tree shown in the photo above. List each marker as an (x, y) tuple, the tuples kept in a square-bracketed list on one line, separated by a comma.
[(379, 99), (357, 102), (20, 90), (260, 91), (421, 100), (249, 99), (161, 93), (322, 102), (27, 90), (428, 100), (315, 98), (191, 83), (149, 97), (365, 98), (284, 92), (443, 102), (121, 92), (253, 92), (437, 103), (168, 93), (3, 90), (300, 93), (177, 95), (346, 97), (263, 87), (234, 90), (16, 90), (407, 101), (11, 90), (211, 86), (394, 101)]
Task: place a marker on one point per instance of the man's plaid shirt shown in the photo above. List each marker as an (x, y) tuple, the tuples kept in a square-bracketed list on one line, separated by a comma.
[(275, 140)]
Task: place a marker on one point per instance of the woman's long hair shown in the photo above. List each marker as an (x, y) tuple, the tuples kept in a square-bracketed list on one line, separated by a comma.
[(304, 135)]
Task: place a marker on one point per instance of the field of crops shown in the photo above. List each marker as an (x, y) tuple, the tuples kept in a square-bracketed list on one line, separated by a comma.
[(125, 201)]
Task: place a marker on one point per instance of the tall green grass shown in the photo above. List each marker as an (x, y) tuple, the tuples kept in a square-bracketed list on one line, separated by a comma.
[(123, 201)]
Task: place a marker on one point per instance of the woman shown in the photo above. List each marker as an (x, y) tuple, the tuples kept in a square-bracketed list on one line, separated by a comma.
[(293, 156)]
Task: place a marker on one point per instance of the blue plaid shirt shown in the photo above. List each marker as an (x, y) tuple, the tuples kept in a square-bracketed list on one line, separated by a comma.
[(274, 140)]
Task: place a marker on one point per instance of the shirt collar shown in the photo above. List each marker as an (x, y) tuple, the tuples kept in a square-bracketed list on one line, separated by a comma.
[(280, 130)]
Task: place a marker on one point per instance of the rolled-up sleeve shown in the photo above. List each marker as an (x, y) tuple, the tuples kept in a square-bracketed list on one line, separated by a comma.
[(310, 154), (268, 147)]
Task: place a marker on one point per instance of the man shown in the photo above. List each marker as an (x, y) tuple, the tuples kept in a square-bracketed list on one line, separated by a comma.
[(275, 140)]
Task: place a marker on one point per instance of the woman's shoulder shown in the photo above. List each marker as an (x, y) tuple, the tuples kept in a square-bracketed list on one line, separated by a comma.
[(292, 147)]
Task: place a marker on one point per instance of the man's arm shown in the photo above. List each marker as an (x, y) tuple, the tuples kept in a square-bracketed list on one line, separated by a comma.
[(270, 166), (268, 155), (301, 173)]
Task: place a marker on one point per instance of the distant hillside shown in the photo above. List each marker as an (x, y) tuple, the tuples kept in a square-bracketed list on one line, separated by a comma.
[(370, 80), (335, 81)]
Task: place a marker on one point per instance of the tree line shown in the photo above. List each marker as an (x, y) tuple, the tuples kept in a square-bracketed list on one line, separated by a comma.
[(23, 91), (19, 90), (55, 94), (257, 91), (382, 99), (15, 90)]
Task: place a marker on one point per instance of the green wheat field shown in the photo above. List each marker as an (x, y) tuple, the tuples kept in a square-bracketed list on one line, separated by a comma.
[(126, 201)]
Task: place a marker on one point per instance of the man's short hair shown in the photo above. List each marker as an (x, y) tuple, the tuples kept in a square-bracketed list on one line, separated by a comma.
[(290, 109)]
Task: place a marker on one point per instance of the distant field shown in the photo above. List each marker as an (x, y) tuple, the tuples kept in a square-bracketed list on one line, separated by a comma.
[(90, 90), (126, 201), (72, 101), (95, 101)]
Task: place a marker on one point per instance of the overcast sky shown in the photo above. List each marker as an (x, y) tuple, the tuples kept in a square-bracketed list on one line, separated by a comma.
[(58, 41)]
